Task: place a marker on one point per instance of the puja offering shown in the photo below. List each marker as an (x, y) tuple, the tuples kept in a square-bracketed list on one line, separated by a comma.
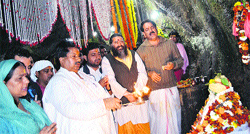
[(223, 111), (184, 83), (141, 95)]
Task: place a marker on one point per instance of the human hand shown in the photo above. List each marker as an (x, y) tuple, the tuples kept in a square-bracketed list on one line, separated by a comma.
[(154, 76), (104, 81), (130, 96), (169, 66), (38, 102), (112, 103), (51, 129)]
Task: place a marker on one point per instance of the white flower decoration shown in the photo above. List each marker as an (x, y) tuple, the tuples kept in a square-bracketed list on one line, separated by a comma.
[(240, 103), (228, 111), (213, 115), (225, 122), (228, 103), (209, 129)]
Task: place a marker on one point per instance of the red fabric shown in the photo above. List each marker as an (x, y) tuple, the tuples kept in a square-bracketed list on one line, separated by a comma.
[(178, 74), (247, 26)]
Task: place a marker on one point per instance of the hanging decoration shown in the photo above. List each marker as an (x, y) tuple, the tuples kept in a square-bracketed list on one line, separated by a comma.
[(113, 15), (102, 13), (28, 21), (134, 22), (84, 21), (130, 21), (241, 28), (74, 14), (125, 26), (70, 12), (127, 22), (120, 19)]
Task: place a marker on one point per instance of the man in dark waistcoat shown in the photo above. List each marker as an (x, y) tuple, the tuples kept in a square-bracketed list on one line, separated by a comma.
[(126, 72)]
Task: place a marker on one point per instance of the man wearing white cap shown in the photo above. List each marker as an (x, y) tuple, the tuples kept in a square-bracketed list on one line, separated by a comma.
[(41, 73)]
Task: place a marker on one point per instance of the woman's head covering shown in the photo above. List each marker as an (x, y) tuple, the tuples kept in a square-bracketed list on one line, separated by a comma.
[(18, 120), (38, 66)]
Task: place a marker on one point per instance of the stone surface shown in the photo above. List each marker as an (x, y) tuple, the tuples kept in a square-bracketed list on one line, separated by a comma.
[(192, 100)]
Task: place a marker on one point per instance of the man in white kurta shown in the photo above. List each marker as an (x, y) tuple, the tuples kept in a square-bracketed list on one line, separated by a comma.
[(135, 114), (76, 102)]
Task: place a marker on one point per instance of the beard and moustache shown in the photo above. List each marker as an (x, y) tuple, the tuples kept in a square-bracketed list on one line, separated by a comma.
[(120, 53)]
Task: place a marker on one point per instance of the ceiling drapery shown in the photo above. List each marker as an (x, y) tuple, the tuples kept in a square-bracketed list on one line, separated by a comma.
[(102, 13), (31, 21), (74, 15), (28, 21)]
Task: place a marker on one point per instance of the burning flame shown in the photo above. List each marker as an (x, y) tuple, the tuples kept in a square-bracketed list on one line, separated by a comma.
[(141, 92)]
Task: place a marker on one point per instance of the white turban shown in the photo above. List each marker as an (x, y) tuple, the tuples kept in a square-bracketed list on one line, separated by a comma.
[(38, 66)]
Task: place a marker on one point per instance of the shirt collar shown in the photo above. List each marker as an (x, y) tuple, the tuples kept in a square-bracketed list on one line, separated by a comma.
[(148, 44)]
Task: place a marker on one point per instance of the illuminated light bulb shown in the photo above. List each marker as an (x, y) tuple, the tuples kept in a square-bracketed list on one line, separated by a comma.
[(112, 28), (154, 15), (94, 34)]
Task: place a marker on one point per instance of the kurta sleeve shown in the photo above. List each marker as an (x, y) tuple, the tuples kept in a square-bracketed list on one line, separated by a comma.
[(58, 93), (142, 74), (117, 89)]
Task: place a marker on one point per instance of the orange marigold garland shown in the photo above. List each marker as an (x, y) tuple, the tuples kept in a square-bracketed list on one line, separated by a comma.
[(113, 15), (128, 41), (119, 19), (240, 16), (129, 24)]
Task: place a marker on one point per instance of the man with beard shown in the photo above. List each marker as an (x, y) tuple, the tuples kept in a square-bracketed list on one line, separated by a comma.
[(93, 58), (126, 72), (161, 57), (74, 100)]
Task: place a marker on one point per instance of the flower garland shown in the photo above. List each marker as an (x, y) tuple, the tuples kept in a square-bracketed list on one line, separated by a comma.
[(129, 25), (30, 22), (221, 115), (240, 15), (120, 19), (113, 15), (125, 25), (135, 22), (130, 17), (102, 14)]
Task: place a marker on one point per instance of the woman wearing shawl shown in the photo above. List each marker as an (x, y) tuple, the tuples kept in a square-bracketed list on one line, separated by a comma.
[(18, 116)]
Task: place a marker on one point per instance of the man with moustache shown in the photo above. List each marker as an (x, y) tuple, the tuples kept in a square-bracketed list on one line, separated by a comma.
[(126, 72), (74, 100), (161, 58), (93, 57)]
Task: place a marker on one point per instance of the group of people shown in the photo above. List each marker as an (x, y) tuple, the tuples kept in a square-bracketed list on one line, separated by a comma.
[(94, 98)]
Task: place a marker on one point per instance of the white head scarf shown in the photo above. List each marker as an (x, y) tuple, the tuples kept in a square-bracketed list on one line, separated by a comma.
[(38, 66)]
